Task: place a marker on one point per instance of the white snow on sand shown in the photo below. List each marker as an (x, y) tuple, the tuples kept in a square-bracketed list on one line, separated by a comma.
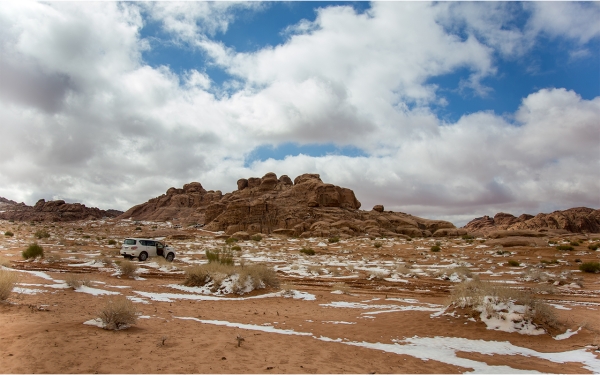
[(442, 349), (567, 334), (94, 291), (27, 290), (169, 297), (251, 327)]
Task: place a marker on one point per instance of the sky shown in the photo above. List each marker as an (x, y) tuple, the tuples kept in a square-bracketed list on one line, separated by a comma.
[(444, 110)]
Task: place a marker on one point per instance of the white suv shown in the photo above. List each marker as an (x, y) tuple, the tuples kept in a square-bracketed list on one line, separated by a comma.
[(142, 248)]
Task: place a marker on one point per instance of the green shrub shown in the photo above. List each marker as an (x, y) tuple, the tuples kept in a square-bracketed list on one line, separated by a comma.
[(593, 246), (467, 237), (334, 239), (112, 242), (138, 228), (377, 244), (591, 267), (307, 251), (574, 243), (256, 237), (513, 263), (42, 233), (86, 236), (9, 233), (236, 248), (435, 248), (33, 251), (564, 247), (222, 257), (212, 256), (231, 240)]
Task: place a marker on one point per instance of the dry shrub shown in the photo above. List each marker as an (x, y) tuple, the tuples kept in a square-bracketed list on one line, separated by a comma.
[(118, 313), (5, 262), (128, 268), (377, 275), (75, 281), (477, 295), (287, 289), (534, 274), (262, 276), (259, 274), (342, 287), (8, 279), (315, 269), (33, 251)]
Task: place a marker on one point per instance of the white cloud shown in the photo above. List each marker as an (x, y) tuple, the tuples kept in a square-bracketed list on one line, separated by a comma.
[(87, 119)]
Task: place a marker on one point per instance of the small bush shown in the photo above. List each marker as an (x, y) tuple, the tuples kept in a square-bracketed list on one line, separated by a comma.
[(74, 281), (236, 248), (138, 228), (307, 251), (9, 233), (196, 276), (86, 236), (256, 237), (342, 287), (467, 237), (574, 243), (118, 313), (112, 242), (33, 251), (262, 276), (513, 263), (128, 268), (222, 257), (564, 247), (591, 267), (334, 240), (551, 261), (231, 240), (8, 279), (377, 244), (435, 248), (593, 246), (42, 233)]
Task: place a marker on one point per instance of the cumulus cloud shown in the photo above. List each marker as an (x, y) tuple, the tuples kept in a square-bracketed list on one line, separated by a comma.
[(85, 118)]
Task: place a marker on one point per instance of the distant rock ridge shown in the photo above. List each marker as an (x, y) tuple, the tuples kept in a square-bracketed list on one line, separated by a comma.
[(573, 220), (57, 210), (304, 207)]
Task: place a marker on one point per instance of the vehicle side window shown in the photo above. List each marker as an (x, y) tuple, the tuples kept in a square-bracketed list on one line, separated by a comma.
[(129, 242), (150, 243)]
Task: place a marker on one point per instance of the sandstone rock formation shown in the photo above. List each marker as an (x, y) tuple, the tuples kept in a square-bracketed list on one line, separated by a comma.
[(573, 220), (304, 207), (54, 211)]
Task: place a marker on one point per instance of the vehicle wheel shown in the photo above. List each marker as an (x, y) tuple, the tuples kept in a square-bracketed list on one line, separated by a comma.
[(143, 256), (170, 257)]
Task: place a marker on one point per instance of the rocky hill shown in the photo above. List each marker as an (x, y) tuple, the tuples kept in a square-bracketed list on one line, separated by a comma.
[(52, 211), (304, 207), (574, 220)]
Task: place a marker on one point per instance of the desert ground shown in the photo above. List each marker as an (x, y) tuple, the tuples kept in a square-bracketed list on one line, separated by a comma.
[(358, 305)]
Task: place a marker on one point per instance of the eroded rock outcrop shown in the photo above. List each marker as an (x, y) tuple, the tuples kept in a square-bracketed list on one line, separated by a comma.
[(573, 220), (304, 207), (57, 210)]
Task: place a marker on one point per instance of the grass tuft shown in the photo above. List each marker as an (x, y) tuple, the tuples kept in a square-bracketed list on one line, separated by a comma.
[(8, 279), (9, 233), (435, 248), (307, 251), (128, 268)]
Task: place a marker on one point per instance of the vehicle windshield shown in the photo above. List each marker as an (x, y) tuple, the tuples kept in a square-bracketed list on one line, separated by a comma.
[(129, 242)]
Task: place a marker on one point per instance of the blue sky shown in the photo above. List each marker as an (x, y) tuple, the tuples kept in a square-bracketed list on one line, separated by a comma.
[(447, 110)]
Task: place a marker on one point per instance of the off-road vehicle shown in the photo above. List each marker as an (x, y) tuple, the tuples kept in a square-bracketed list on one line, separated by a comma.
[(142, 248)]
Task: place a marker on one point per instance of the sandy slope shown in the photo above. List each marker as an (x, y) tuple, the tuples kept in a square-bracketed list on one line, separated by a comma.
[(388, 323)]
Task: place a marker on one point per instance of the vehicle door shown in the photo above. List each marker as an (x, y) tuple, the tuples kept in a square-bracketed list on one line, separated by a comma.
[(151, 245), (160, 248)]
